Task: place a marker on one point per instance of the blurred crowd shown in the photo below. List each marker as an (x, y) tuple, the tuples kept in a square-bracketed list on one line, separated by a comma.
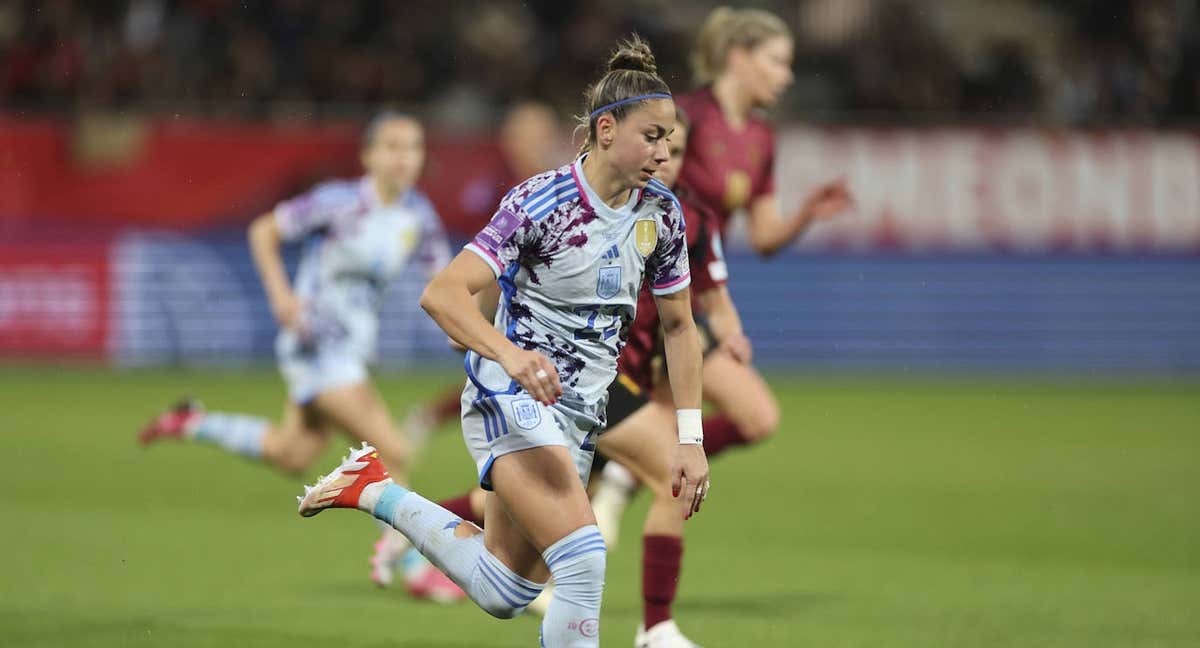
[(1073, 62)]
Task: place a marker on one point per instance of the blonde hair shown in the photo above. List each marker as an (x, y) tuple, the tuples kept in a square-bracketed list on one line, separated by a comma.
[(631, 72), (727, 28)]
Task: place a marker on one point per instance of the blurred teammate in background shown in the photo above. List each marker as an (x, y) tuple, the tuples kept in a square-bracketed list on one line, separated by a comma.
[(530, 141), (358, 235), (570, 248), (743, 59)]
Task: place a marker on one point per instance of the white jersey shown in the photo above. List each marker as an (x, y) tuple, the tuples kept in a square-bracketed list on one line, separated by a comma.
[(354, 245), (570, 269)]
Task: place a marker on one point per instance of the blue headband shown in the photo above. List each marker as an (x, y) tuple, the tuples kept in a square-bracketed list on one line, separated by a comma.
[(603, 109)]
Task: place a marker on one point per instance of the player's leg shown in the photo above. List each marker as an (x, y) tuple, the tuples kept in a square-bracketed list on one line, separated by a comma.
[(457, 548), (616, 485), (543, 497), (422, 420), (290, 445), (468, 506), (748, 410), (645, 443), (360, 411), (301, 436)]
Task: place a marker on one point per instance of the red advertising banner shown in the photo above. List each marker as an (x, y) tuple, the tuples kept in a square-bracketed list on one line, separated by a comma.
[(54, 299), (1001, 189)]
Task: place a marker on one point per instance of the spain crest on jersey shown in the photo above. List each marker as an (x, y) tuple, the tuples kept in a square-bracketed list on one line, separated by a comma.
[(645, 236), (608, 284)]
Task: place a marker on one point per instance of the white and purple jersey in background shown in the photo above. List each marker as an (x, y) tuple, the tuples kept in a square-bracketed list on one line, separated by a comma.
[(354, 245), (570, 268)]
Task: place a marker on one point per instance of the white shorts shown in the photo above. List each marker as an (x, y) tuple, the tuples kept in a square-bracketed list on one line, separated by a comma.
[(495, 424), (314, 368)]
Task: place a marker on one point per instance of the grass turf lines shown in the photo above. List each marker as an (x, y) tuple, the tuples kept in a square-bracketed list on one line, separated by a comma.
[(887, 512)]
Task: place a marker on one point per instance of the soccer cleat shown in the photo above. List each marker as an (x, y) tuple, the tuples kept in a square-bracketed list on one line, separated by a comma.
[(343, 487), (173, 423), (425, 581), (662, 635), (611, 499), (384, 560)]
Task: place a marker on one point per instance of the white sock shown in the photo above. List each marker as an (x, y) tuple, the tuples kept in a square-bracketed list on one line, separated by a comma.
[(577, 563), (489, 582), (237, 433)]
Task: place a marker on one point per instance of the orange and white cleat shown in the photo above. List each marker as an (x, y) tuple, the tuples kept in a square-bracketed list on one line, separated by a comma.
[(343, 487), (173, 423)]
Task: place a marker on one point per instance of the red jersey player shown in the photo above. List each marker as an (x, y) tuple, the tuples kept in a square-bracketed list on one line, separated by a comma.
[(743, 59)]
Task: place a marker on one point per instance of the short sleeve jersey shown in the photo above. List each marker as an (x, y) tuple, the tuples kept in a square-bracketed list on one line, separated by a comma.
[(354, 245), (708, 270), (725, 169), (570, 269)]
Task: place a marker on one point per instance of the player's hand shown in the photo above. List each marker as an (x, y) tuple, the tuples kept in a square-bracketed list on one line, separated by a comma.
[(828, 200), (535, 373), (738, 346), (288, 310), (689, 477)]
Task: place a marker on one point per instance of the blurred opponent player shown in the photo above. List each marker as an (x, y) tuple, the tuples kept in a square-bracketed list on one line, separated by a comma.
[(358, 235), (571, 248), (743, 58)]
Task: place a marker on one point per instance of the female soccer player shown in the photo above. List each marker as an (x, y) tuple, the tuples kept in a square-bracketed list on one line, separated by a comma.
[(571, 248), (743, 59), (358, 236)]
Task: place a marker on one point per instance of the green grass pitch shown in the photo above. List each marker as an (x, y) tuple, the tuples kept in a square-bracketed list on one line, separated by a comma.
[(888, 512)]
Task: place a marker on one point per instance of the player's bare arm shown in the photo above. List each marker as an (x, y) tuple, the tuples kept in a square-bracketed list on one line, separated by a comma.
[(725, 322), (770, 232), (681, 344), (450, 301), (264, 247)]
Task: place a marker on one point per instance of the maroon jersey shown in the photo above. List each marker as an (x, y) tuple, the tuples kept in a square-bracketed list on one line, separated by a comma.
[(725, 169), (707, 263)]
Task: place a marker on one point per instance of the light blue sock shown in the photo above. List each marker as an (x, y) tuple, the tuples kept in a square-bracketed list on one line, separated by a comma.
[(238, 433), (577, 564), (492, 585)]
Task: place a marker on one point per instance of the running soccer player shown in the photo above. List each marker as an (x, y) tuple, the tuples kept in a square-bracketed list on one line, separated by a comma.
[(743, 60), (358, 236), (571, 248)]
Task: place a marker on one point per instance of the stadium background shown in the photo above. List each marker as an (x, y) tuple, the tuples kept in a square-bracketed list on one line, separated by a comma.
[(988, 369)]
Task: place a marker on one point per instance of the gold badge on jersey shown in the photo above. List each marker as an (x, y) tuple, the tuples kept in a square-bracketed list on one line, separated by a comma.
[(645, 235), (737, 189)]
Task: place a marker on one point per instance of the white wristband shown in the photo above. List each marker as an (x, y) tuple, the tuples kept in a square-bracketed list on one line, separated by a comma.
[(690, 430)]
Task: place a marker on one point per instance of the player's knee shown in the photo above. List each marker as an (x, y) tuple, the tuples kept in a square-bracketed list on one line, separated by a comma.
[(579, 577), (763, 423), (292, 460)]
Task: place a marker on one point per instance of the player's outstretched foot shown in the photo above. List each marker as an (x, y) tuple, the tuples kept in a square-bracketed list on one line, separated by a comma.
[(663, 635), (343, 487), (173, 423)]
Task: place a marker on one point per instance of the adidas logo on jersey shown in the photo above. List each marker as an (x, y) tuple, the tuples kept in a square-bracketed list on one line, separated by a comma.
[(612, 254)]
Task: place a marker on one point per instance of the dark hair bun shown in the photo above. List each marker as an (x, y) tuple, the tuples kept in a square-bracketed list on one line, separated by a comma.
[(633, 54)]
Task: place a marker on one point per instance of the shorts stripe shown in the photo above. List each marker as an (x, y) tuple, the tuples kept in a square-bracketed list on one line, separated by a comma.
[(483, 412), (499, 414)]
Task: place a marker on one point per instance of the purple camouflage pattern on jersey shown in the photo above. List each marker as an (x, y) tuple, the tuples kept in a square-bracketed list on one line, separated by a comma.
[(515, 243)]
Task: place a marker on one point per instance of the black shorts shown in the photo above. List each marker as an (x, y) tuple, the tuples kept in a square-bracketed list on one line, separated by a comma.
[(624, 398)]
